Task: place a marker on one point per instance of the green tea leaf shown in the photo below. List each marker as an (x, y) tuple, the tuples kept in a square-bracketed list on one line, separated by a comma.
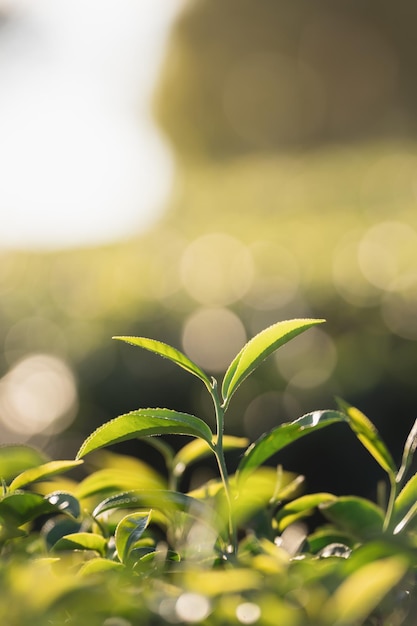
[(128, 532), (17, 458), (258, 349), (149, 556), (369, 437), (363, 591), (300, 508), (218, 582), (199, 449), (278, 438), (65, 502), (208, 490), (57, 527), (287, 491), (326, 535), (361, 518), (98, 566), (41, 472), (163, 500), (406, 520), (82, 541), (405, 505), (108, 481), (168, 352), (145, 422), (19, 508), (255, 494), (409, 449)]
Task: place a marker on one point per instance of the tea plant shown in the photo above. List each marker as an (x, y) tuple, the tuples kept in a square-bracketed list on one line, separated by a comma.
[(125, 546)]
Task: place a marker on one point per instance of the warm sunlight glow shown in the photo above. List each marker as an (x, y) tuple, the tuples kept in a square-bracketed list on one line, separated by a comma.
[(212, 337), (248, 613), (217, 269), (81, 159), (38, 395), (192, 607)]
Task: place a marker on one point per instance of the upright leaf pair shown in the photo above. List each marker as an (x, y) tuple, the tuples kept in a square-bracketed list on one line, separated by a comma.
[(161, 421)]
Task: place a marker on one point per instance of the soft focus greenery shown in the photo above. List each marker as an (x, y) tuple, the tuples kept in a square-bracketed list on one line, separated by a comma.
[(125, 545), (295, 195), (294, 127), (245, 242), (247, 77)]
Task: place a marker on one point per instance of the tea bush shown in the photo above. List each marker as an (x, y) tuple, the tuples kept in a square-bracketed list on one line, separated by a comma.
[(123, 545)]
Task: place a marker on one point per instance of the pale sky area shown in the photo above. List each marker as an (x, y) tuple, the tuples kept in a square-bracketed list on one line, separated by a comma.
[(81, 162)]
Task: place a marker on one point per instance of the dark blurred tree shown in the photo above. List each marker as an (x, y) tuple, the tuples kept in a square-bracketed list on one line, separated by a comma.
[(251, 75)]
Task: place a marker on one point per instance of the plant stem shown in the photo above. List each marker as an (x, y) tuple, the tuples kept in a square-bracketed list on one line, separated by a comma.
[(391, 502), (219, 453)]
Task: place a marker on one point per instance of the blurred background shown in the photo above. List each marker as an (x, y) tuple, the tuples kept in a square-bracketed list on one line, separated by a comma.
[(194, 171)]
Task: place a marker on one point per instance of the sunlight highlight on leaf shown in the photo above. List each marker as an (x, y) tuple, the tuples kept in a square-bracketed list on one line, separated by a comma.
[(145, 422), (278, 438), (128, 532), (82, 541), (368, 435), (258, 349), (359, 594), (199, 449), (168, 352), (42, 471)]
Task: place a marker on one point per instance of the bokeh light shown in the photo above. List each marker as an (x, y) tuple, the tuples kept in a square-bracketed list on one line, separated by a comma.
[(277, 276), (212, 337), (308, 361), (38, 396), (387, 252), (166, 609), (163, 279), (399, 307), (192, 607), (396, 167), (347, 274), (294, 128), (248, 612), (217, 269), (116, 621)]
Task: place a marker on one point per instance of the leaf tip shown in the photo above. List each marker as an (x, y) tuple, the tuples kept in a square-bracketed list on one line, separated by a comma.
[(81, 452)]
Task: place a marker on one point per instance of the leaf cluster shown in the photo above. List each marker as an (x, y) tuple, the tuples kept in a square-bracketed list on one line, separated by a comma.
[(126, 545)]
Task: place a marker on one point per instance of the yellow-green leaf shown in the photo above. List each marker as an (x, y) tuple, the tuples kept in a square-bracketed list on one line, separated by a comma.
[(368, 435), (258, 349), (128, 532), (82, 541), (41, 472), (17, 458), (108, 481), (360, 517), (405, 506), (199, 449), (362, 592), (145, 422), (168, 352), (278, 438), (300, 508)]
